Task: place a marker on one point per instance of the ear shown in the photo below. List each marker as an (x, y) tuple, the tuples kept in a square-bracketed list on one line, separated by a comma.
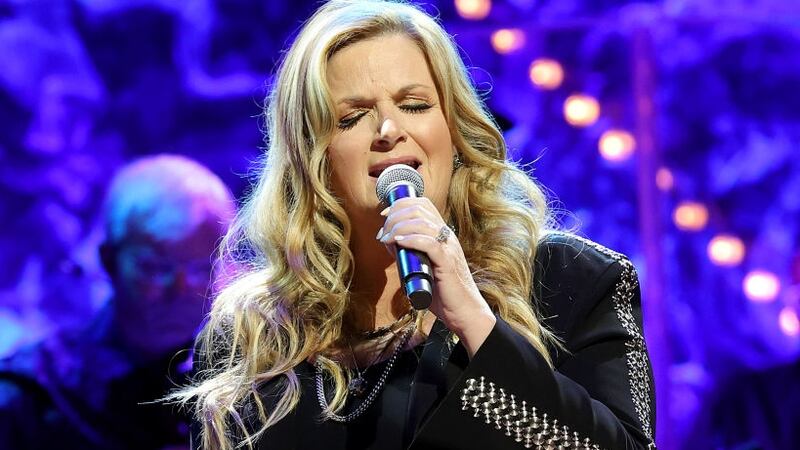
[(108, 257)]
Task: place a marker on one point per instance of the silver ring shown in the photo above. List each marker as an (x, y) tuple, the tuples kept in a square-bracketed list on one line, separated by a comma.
[(444, 233)]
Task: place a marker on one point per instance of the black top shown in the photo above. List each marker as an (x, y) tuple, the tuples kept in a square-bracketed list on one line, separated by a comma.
[(598, 394), (382, 425)]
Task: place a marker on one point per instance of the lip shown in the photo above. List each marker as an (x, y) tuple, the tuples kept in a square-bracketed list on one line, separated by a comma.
[(376, 169)]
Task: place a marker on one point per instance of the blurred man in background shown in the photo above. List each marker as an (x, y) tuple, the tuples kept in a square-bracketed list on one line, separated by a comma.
[(164, 216)]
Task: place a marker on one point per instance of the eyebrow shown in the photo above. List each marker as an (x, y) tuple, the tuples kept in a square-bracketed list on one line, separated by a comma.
[(355, 99)]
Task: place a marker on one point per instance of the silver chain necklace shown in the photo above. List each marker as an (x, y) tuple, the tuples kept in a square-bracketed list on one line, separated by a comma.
[(358, 385), (382, 331), (376, 390)]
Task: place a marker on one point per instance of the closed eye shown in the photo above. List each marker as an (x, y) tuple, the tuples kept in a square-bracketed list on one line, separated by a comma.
[(416, 108), (350, 122)]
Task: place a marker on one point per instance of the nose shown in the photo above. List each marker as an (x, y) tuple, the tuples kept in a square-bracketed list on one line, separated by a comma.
[(389, 134)]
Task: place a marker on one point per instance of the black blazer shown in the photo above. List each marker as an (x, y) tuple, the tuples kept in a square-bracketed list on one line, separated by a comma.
[(600, 394)]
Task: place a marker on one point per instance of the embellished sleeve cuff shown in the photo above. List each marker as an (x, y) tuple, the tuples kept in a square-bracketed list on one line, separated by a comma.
[(518, 419)]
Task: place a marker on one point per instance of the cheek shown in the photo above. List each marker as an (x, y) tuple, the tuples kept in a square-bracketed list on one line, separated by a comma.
[(337, 162), (346, 157), (434, 137)]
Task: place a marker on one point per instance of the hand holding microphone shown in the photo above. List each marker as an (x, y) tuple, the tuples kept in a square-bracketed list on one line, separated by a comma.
[(429, 259)]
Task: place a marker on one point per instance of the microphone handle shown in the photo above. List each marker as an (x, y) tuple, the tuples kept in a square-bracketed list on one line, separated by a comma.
[(414, 267), (416, 277)]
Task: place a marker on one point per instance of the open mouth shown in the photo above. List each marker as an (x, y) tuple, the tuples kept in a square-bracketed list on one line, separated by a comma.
[(376, 170)]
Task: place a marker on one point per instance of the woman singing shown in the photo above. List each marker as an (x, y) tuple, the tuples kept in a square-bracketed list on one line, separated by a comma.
[(533, 338)]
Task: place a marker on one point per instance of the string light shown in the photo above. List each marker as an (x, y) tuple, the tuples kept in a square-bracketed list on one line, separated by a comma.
[(789, 322), (546, 73), (690, 216), (761, 286), (726, 250), (616, 145), (664, 179), (581, 110), (473, 9), (507, 40)]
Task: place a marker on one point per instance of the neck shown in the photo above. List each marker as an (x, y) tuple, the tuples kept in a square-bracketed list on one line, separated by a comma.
[(376, 298)]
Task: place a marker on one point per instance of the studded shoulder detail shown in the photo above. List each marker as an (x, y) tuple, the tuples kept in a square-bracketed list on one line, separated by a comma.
[(533, 428), (636, 356)]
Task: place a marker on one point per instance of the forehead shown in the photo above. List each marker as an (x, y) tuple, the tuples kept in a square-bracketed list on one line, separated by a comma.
[(383, 63)]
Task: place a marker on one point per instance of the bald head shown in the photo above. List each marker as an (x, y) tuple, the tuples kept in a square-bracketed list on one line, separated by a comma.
[(166, 197), (163, 217)]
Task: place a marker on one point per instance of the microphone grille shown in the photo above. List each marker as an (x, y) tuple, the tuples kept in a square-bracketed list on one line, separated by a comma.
[(398, 173)]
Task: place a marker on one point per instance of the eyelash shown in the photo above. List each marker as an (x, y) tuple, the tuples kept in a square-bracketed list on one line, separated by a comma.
[(346, 124)]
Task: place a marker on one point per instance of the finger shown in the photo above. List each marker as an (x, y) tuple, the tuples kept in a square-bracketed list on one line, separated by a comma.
[(420, 202), (414, 199), (411, 227), (411, 212), (424, 243), (420, 209)]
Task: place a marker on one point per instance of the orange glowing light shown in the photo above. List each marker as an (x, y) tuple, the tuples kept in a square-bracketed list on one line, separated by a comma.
[(789, 322), (507, 40), (581, 110), (616, 145), (761, 286), (726, 250), (473, 9), (690, 216), (546, 73), (664, 179)]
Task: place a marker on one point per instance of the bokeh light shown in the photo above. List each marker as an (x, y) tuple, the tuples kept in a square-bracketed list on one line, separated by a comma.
[(761, 286), (507, 40), (726, 250), (789, 322), (690, 216), (473, 9), (616, 145), (546, 73), (581, 110), (664, 179)]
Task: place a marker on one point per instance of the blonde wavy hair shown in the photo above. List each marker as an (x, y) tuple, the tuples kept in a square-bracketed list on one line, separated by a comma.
[(291, 237)]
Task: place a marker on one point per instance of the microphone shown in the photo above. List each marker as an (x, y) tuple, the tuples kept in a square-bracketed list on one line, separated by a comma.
[(416, 275)]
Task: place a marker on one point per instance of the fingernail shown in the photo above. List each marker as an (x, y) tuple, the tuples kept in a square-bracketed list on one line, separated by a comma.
[(399, 238), (385, 238), (380, 232), (385, 212)]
